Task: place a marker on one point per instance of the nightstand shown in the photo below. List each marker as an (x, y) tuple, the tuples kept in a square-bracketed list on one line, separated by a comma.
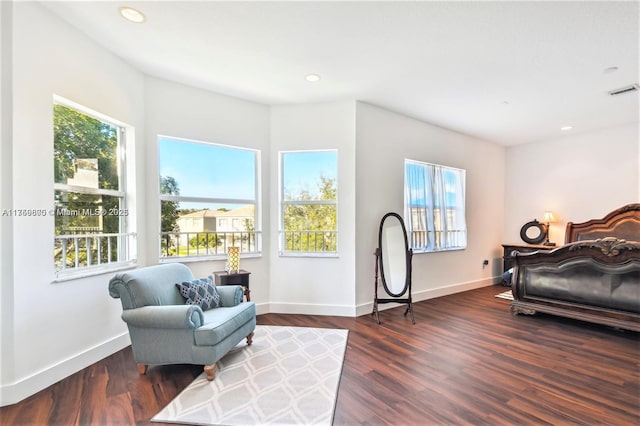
[(239, 278), (522, 248)]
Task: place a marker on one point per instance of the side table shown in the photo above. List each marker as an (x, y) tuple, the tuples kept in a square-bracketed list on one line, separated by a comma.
[(522, 248), (238, 278)]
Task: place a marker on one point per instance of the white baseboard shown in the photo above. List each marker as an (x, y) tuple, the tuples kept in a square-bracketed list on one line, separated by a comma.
[(311, 309), (27, 386), (367, 308)]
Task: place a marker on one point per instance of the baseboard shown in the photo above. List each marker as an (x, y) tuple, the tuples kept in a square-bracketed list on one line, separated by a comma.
[(311, 309), (27, 386), (367, 308)]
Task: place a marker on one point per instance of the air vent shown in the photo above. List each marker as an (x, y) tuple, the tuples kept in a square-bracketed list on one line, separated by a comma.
[(625, 89)]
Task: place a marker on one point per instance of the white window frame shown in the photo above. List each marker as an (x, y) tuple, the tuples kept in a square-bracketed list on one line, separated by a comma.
[(436, 232), (126, 237), (283, 203), (256, 201)]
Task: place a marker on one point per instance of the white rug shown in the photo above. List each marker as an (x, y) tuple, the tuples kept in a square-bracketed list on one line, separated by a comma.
[(505, 295), (288, 376)]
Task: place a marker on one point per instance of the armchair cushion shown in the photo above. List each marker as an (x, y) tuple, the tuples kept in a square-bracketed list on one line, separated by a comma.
[(201, 292), (220, 323)]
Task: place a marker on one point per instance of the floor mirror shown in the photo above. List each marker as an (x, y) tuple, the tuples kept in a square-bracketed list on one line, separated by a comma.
[(393, 265)]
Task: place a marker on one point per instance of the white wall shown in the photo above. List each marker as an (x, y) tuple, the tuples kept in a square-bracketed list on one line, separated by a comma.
[(316, 285), (55, 328), (384, 140), (6, 195), (578, 177), (180, 111)]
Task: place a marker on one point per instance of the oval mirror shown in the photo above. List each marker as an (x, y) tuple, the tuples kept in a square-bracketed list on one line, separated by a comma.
[(394, 252)]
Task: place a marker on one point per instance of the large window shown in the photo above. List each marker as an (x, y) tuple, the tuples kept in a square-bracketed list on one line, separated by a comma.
[(309, 203), (208, 199), (434, 200), (90, 208)]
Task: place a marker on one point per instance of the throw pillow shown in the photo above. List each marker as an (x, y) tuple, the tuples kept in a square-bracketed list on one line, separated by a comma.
[(201, 292)]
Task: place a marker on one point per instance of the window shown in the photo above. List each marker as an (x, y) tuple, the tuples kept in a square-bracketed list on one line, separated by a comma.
[(308, 202), (91, 214), (204, 189), (434, 200)]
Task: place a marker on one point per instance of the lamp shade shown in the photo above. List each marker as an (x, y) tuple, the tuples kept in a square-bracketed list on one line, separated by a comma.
[(233, 259), (548, 217)]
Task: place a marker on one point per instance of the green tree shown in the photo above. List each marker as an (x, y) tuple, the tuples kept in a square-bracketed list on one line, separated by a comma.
[(169, 215), (169, 210), (204, 240), (76, 137), (311, 227)]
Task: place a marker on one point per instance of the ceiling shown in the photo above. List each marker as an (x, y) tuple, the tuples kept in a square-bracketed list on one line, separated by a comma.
[(509, 72)]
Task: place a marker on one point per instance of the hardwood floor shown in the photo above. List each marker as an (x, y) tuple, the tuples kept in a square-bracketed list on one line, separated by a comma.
[(466, 361)]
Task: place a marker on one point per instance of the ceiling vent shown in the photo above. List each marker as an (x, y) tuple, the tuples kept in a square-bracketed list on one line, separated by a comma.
[(626, 89)]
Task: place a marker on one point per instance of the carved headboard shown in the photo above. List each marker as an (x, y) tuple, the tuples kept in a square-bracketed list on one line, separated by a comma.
[(622, 223)]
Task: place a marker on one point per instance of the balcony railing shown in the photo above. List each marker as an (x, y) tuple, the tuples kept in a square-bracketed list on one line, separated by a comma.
[(310, 241), (189, 244), (435, 240), (72, 252)]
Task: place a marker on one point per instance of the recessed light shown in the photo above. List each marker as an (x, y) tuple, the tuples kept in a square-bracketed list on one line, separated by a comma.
[(132, 15), (566, 128), (610, 70), (312, 77)]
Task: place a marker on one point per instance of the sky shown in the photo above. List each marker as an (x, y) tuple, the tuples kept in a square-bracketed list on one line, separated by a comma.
[(217, 171)]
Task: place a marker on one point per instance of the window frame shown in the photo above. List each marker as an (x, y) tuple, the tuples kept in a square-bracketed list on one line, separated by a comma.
[(256, 202), (127, 244), (430, 216), (282, 252)]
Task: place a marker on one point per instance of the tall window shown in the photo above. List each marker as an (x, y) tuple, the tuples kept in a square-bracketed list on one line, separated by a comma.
[(434, 200), (208, 198), (309, 202), (89, 191)]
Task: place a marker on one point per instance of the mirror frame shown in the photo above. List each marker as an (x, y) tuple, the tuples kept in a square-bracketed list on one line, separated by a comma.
[(405, 295), (533, 224), (407, 260)]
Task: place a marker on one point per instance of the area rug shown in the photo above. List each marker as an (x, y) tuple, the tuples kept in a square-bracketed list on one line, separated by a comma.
[(505, 295), (288, 376)]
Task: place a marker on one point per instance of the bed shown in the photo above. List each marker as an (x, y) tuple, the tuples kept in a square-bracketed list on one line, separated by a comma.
[(594, 276)]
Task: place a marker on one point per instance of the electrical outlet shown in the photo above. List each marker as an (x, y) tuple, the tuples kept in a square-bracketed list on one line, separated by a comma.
[(485, 263)]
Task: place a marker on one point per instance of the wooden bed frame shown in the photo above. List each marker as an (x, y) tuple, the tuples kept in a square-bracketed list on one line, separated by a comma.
[(622, 223), (594, 277)]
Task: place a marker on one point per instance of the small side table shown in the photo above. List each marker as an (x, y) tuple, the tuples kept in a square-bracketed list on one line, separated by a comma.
[(239, 278), (522, 248)]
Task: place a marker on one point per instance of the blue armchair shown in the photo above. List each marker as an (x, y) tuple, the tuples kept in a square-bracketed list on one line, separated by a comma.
[(165, 330)]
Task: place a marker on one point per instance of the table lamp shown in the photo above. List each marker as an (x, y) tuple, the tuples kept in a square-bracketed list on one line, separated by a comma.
[(233, 260), (548, 218)]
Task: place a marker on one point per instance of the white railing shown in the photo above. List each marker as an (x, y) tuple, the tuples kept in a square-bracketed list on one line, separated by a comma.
[(72, 252), (310, 241), (437, 240), (189, 244)]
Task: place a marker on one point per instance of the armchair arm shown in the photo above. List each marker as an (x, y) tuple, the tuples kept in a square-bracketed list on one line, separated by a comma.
[(167, 316), (230, 295)]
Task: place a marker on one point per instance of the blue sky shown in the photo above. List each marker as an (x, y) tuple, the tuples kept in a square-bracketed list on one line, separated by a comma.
[(215, 171), (207, 170), (304, 169)]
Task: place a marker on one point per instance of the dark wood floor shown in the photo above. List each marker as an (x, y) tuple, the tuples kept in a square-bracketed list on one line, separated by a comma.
[(466, 361)]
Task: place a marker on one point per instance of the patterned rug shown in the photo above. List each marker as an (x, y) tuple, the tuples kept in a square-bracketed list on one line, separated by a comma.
[(505, 295), (288, 376)]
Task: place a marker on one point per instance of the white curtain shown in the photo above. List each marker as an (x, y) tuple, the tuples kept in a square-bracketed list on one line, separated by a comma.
[(435, 206)]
